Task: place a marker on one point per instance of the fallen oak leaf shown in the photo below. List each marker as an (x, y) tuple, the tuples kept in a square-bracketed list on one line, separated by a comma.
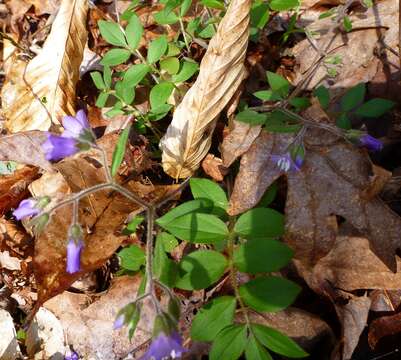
[(353, 317), (102, 213), (35, 98), (25, 148), (383, 326), (333, 167), (188, 137), (89, 325)]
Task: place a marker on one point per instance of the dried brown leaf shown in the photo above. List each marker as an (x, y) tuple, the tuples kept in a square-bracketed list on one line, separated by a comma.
[(14, 188), (351, 265), (44, 91), (103, 214), (384, 326), (89, 326), (222, 70), (305, 328), (357, 49), (238, 141), (213, 166), (333, 167), (385, 300), (353, 317), (24, 148)]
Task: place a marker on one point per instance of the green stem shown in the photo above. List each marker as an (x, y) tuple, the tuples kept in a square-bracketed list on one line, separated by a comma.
[(233, 271)]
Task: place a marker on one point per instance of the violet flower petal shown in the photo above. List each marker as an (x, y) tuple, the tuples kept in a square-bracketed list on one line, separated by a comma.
[(75, 125), (25, 209), (74, 250), (164, 347), (371, 142), (119, 322), (71, 355), (58, 147)]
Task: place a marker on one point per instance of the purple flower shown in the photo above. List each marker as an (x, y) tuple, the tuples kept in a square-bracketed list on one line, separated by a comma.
[(163, 347), (74, 249), (75, 125), (59, 147), (26, 208), (71, 355), (370, 142), (285, 162), (119, 322)]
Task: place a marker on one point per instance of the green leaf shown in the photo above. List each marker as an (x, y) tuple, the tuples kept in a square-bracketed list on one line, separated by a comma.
[(156, 49), (208, 189), (170, 64), (164, 269), (133, 322), (188, 69), (212, 318), (132, 225), (200, 269), (259, 14), (374, 108), (343, 122), (160, 94), (135, 74), (207, 32), (132, 258), (173, 50), (267, 95), (166, 18), (112, 33), (169, 241), (277, 342), (300, 103), (269, 195), (270, 293), (98, 80), (134, 32), (260, 223), (115, 57), (107, 76), (347, 24), (214, 4), (260, 255), (323, 96), (185, 6), (278, 84), (200, 206), (353, 97), (280, 123), (281, 5), (251, 117), (124, 92), (119, 151), (230, 343), (102, 99), (255, 351), (198, 228)]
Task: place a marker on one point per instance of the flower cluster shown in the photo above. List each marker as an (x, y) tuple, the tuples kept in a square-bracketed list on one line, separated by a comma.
[(77, 136)]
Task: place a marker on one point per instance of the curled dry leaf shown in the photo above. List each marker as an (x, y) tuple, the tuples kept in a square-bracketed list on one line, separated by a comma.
[(102, 213), (44, 90), (238, 141), (333, 167), (89, 326), (213, 166), (357, 49), (353, 317), (222, 70), (351, 265), (13, 188), (384, 326), (24, 148)]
